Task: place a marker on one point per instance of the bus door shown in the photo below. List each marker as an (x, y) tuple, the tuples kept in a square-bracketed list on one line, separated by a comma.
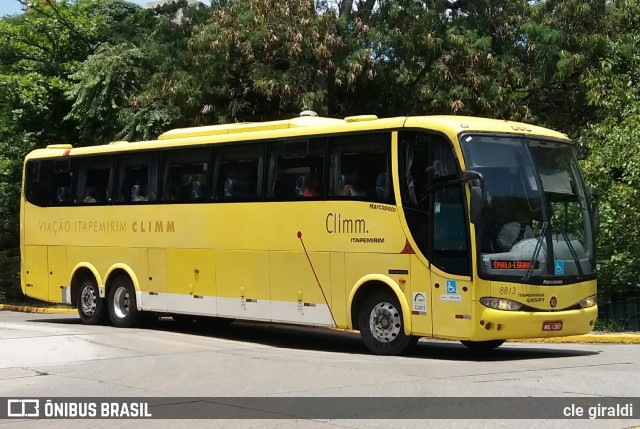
[(450, 263)]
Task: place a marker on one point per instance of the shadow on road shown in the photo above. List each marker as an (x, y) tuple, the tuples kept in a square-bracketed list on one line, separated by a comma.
[(327, 340)]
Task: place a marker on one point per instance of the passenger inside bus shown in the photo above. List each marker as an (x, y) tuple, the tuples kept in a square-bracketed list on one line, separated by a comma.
[(198, 188), (63, 195), (138, 193), (90, 196), (354, 185), (313, 188)]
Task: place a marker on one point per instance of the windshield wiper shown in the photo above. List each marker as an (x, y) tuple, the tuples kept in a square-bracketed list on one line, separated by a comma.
[(536, 251), (573, 252)]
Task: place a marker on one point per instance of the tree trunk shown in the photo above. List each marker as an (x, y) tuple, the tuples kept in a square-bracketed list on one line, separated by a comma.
[(345, 8)]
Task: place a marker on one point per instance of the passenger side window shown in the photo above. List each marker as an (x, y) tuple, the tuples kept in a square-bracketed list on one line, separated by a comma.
[(433, 206), (48, 182), (61, 176), (137, 178), (296, 169), (424, 160), (238, 175), (360, 167), (93, 180), (450, 243), (185, 175)]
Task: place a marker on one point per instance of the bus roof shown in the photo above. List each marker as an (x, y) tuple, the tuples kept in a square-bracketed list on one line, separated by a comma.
[(305, 126), (457, 124)]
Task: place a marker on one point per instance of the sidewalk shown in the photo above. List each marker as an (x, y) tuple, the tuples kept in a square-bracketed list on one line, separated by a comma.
[(593, 338)]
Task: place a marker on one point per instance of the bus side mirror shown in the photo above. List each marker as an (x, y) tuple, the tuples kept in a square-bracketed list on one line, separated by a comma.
[(594, 197), (475, 207)]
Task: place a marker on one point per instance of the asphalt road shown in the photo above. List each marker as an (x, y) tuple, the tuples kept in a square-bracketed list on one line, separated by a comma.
[(44, 355)]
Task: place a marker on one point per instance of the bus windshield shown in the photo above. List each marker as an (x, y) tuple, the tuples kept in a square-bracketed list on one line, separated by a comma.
[(535, 219)]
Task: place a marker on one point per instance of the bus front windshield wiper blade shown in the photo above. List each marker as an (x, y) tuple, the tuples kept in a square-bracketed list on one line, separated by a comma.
[(536, 251)]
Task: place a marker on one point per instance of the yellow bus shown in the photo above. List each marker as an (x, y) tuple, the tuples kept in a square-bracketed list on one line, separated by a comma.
[(447, 227)]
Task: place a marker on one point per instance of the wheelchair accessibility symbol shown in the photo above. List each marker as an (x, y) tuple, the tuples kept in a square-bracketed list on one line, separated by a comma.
[(559, 267), (451, 286)]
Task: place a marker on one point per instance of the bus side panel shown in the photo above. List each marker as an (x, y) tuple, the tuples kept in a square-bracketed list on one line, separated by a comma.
[(58, 273), (338, 290), (296, 294), (242, 278), (36, 274), (359, 265), (104, 258), (191, 278), (154, 294)]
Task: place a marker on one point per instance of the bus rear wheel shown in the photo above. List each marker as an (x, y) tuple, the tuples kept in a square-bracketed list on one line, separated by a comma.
[(382, 326), (123, 310), (91, 308), (482, 346)]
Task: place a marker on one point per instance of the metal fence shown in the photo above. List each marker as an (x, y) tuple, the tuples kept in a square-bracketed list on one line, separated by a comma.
[(619, 311)]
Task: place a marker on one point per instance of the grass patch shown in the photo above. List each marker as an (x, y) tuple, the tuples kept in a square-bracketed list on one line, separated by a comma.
[(609, 325)]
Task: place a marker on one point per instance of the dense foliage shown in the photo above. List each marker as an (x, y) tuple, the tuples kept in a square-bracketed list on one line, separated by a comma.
[(90, 71)]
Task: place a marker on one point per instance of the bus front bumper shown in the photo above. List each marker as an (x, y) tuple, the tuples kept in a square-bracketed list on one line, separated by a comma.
[(494, 324)]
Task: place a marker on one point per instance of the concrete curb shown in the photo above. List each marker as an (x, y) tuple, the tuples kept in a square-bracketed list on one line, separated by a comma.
[(43, 310), (604, 338)]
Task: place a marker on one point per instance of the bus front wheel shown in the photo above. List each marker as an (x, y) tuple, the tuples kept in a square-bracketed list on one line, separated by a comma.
[(482, 346), (91, 308), (123, 311), (382, 326)]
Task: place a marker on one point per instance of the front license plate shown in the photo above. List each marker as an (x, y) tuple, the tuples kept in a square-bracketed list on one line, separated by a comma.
[(555, 325)]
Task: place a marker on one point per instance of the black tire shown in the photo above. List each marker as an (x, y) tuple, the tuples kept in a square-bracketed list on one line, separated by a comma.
[(482, 346), (123, 310), (91, 308), (382, 326)]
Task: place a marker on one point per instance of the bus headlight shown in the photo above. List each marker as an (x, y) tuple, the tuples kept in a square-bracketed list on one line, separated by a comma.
[(500, 304), (589, 302)]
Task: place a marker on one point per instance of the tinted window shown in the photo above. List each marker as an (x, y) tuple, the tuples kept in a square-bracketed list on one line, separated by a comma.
[(425, 159), (238, 173), (360, 166), (137, 178), (296, 169), (450, 249), (433, 206), (38, 182), (93, 180), (185, 175)]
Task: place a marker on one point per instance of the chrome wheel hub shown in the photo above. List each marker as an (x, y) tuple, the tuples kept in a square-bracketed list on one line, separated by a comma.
[(88, 300), (385, 322), (121, 303)]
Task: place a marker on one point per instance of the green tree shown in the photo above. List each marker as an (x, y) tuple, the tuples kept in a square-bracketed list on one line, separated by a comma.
[(136, 88), (265, 59), (449, 57), (563, 43), (104, 84), (40, 49), (613, 158)]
